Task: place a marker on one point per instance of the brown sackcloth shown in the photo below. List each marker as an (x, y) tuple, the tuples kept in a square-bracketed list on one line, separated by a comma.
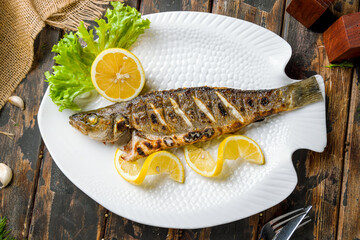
[(22, 20)]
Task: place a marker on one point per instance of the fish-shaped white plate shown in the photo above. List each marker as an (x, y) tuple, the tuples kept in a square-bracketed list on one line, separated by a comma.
[(188, 49)]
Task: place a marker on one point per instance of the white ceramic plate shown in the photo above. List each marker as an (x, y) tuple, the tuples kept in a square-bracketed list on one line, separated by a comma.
[(187, 49)]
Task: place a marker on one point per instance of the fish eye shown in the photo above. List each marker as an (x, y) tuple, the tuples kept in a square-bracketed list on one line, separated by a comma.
[(92, 119)]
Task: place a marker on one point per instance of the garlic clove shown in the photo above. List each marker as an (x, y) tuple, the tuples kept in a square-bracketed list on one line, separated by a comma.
[(17, 101), (5, 175)]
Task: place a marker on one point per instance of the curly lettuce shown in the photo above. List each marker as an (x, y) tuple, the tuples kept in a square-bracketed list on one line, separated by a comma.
[(71, 74)]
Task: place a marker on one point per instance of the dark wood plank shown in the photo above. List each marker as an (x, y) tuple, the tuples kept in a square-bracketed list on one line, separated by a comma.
[(21, 153), (242, 229), (319, 174), (349, 220), (61, 210), (268, 14), (154, 6), (133, 3)]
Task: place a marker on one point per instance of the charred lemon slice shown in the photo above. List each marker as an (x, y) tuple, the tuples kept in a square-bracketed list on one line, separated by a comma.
[(157, 163), (117, 74), (231, 148)]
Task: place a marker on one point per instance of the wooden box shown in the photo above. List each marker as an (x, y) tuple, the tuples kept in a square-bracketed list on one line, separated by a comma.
[(308, 11), (342, 39)]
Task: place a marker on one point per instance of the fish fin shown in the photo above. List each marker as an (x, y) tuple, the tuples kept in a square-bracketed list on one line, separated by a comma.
[(304, 92), (307, 126)]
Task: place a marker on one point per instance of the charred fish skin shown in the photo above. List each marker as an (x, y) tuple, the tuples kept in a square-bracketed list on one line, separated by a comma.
[(172, 118), (201, 114), (185, 110)]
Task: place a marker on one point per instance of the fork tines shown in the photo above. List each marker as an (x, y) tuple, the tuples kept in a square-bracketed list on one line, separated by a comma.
[(289, 216)]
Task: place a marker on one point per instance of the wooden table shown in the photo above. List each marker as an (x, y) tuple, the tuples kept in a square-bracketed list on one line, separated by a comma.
[(41, 203)]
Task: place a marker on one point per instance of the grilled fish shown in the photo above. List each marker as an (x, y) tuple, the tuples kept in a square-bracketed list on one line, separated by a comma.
[(172, 118)]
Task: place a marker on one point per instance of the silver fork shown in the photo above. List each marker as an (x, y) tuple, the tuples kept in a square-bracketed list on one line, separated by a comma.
[(274, 226)]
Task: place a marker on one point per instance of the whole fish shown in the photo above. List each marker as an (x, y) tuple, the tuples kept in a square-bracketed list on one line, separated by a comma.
[(172, 118)]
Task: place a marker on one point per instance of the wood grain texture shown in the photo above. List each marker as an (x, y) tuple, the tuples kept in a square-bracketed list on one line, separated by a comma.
[(319, 174), (154, 6), (132, 3), (268, 14), (61, 210), (21, 153), (349, 223)]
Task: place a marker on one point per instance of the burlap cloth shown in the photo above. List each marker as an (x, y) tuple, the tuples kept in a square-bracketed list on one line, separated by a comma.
[(22, 20)]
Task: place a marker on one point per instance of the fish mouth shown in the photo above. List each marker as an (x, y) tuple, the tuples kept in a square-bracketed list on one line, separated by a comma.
[(78, 126)]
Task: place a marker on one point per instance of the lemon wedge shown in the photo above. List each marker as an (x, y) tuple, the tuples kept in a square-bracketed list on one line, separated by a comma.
[(117, 74), (240, 147), (156, 163), (202, 162), (231, 148)]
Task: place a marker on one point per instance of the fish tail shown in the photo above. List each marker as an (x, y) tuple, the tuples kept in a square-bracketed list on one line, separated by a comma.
[(303, 93)]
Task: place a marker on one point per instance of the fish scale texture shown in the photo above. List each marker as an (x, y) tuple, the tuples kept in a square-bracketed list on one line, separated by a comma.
[(191, 49)]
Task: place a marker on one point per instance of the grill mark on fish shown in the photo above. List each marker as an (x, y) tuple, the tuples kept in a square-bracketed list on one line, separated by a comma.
[(148, 145), (202, 95), (222, 109), (174, 122), (154, 108), (217, 108), (139, 116), (203, 108), (158, 115), (264, 101), (193, 136), (153, 118), (250, 102), (233, 110), (188, 106), (180, 113), (209, 132), (140, 151), (168, 141)]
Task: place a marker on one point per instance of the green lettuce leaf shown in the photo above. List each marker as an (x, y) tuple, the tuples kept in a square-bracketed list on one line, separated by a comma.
[(71, 74)]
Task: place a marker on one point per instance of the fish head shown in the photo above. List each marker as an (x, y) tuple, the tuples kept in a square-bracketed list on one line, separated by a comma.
[(100, 126)]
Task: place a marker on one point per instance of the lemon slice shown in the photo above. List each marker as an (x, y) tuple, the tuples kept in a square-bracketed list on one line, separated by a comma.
[(240, 147), (202, 162), (156, 163), (117, 74), (231, 148)]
